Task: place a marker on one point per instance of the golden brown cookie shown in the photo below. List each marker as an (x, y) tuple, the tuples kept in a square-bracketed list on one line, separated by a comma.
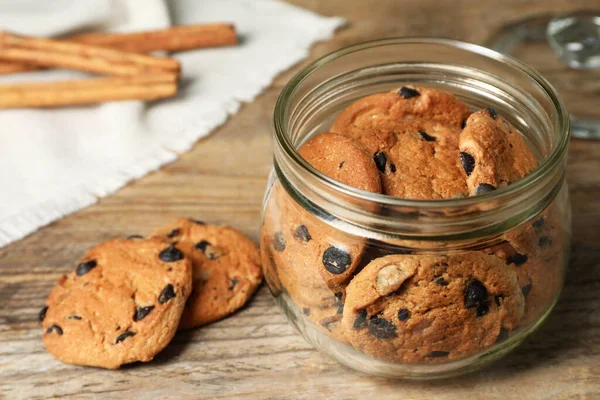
[(493, 154), (422, 163), (535, 251), (426, 309), (372, 120), (122, 303), (225, 266), (413, 135), (313, 260), (341, 158)]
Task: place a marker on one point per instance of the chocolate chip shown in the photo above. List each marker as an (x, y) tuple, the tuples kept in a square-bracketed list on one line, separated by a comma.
[(426, 137), (135, 237), (380, 160), (381, 328), (407, 92), (476, 296), (484, 188), (441, 281), (482, 309), (492, 112), (392, 168), (342, 164), (208, 249), (336, 260), (171, 254), (403, 314), (339, 296), (463, 124), (306, 311), (54, 328), (438, 353), (475, 293), (85, 267), (340, 309), (124, 336), (173, 233), (544, 241), (167, 294), (77, 317), (233, 283), (302, 233), (202, 245), (517, 259), (468, 162), (197, 222), (539, 223), (278, 242), (42, 313), (118, 328), (497, 299), (360, 321), (526, 289), (142, 312), (502, 335)]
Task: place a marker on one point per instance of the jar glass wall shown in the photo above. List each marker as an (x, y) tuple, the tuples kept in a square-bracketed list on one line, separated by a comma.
[(432, 318)]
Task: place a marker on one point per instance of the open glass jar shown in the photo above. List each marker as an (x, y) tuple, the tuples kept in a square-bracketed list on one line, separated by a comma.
[(317, 234)]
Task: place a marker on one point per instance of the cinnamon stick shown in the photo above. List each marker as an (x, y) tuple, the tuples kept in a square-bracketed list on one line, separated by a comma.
[(175, 38), (82, 57), (87, 91)]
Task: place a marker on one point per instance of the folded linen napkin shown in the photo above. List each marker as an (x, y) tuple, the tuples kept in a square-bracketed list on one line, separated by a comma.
[(56, 161)]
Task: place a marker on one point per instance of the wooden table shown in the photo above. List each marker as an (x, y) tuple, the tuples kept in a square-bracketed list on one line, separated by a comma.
[(256, 354)]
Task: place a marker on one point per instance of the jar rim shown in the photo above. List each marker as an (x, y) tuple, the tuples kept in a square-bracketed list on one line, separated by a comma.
[(555, 157)]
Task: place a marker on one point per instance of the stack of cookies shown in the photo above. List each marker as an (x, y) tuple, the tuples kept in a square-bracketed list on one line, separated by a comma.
[(408, 305), (126, 298)]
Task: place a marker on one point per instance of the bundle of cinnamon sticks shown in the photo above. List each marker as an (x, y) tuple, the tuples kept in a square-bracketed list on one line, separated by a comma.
[(129, 72)]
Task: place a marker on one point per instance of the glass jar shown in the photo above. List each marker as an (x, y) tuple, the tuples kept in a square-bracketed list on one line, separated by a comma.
[(317, 234)]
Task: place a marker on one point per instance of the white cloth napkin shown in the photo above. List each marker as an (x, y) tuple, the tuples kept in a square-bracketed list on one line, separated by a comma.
[(53, 162)]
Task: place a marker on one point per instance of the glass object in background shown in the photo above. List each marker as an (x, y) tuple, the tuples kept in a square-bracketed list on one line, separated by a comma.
[(566, 50), (319, 237)]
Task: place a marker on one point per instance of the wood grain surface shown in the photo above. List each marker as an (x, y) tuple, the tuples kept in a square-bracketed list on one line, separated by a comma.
[(255, 354)]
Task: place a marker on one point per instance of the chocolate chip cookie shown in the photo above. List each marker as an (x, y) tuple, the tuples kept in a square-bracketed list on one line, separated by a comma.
[(535, 251), (493, 154), (419, 308), (121, 304), (373, 120), (341, 158), (412, 134), (314, 261), (225, 265)]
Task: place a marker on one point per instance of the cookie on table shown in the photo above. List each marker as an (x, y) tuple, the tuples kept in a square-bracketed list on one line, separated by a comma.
[(429, 309), (121, 304), (412, 134), (493, 154), (225, 266), (372, 120), (341, 158)]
